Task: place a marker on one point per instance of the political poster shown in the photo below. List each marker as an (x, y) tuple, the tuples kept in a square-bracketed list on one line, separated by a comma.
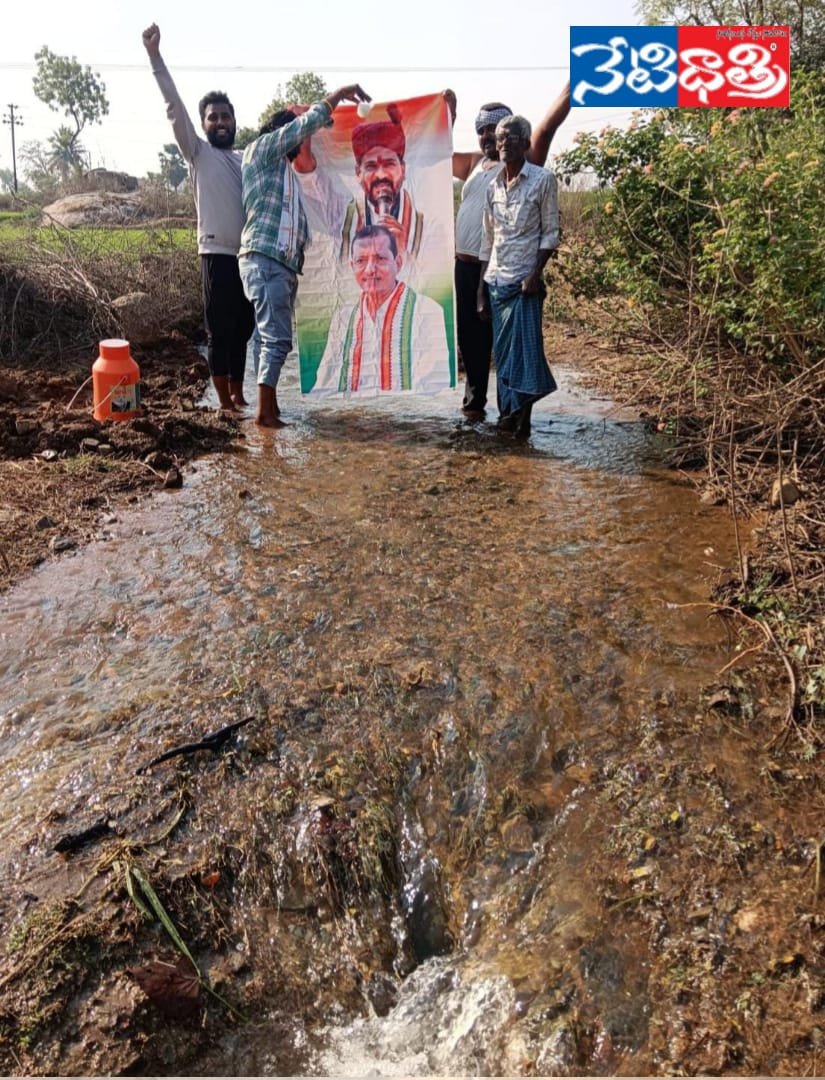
[(375, 309)]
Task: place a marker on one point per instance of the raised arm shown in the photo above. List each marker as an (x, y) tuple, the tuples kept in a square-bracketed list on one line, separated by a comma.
[(463, 162), (275, 144), (304, 162), (182, 127), (548, 126)]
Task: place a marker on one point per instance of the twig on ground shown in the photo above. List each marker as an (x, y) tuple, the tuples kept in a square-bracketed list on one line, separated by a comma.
[(214, 742)]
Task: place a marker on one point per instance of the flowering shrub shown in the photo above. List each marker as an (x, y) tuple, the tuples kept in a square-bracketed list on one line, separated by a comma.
[(711, 224)]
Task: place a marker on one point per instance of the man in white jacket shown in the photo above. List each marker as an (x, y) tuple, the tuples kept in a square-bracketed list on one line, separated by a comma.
[(215, 171)]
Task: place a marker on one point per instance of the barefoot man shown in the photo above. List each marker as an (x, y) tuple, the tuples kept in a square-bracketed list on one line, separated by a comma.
[(215, 171), (520, 232), (276, 233)]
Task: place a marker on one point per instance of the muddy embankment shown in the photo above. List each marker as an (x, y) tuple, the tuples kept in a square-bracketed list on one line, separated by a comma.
[(64, 476)]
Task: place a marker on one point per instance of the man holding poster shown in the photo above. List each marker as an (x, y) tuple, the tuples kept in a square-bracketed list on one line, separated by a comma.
[(275, 235)]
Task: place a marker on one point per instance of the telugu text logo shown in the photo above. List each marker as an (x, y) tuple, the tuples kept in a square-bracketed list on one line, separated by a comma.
[(693, 66)]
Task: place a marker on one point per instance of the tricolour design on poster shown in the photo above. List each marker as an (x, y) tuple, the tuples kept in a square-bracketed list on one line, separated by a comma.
[(375, 309)]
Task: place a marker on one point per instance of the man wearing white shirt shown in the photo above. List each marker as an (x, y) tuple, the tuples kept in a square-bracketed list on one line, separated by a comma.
[(520, 233), (477, 169), (393, 339)]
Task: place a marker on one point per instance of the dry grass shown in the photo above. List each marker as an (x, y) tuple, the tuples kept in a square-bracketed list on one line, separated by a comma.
[(57, 289)]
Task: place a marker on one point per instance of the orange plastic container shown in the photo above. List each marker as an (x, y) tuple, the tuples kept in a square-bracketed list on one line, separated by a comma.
[(115, 382)]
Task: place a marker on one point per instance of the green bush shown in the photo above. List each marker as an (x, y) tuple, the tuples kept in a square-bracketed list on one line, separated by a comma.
[(710, 222)]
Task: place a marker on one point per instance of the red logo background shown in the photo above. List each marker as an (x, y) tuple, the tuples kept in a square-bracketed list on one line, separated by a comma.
[(734, 66)]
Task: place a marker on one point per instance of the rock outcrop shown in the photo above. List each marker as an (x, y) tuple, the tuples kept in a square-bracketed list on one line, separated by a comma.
[(95, 208), (139, 318)]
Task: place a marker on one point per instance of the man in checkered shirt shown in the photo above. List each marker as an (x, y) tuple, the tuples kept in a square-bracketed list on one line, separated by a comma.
[(275, 235)]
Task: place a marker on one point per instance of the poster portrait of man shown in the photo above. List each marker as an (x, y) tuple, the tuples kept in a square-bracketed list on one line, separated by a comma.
[(392, 171), (391, 338), (379, 150)]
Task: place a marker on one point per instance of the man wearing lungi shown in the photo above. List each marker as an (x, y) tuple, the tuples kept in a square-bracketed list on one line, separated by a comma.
[(520, 233), (477, 169)]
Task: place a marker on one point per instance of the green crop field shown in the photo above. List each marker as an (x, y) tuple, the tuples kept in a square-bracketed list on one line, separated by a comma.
[(19, 231)]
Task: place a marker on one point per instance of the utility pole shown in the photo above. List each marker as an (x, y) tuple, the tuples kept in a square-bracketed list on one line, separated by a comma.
[(13, 122)]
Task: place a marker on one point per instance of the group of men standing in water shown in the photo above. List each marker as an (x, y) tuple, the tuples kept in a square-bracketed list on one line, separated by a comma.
[(253, 231)]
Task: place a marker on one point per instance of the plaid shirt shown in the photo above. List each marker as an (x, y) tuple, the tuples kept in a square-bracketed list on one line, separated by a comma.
[(521, 218), (276, 224)]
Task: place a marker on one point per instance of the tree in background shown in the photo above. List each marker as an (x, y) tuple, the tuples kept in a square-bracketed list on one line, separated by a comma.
[(62, 84), (709, 233), (302, 89), (806, 19), (37, 166), (173, 170), (7, 181), (244, 136), (66, 154)]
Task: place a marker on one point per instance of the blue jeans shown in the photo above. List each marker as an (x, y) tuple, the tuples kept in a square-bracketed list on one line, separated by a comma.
[(270, 287)]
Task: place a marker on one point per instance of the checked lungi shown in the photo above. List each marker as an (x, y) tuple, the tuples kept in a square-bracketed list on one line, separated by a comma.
[(522, 374)]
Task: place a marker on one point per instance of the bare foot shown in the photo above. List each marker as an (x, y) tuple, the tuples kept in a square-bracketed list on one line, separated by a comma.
[(271, 420), (226, 402), (236, 393), (268, 411)]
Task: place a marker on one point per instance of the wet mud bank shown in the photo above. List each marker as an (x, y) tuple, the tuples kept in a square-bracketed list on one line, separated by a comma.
[(503, 804), (64, 475)]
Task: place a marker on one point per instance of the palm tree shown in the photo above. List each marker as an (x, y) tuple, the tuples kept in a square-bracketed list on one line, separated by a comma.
[(65, 152)]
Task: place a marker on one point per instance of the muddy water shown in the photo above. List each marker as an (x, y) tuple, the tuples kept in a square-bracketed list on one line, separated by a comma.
[(542, 595)]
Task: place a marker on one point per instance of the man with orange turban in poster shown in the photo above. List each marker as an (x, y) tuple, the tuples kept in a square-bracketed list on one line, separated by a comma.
[(379, 149)]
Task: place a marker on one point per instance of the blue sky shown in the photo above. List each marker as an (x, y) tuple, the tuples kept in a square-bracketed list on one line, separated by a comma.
[(484, 50)]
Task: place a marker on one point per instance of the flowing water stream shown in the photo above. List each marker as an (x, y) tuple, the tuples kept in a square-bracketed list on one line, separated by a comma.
[(544, 603)]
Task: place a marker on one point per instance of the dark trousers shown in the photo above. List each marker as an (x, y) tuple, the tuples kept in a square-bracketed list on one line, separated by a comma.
[(228, 316), (475, 336)]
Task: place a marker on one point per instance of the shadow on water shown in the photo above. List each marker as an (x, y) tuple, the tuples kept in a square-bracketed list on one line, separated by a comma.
[(612, 446), (451, 634)]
